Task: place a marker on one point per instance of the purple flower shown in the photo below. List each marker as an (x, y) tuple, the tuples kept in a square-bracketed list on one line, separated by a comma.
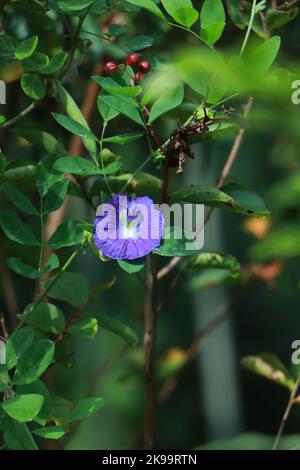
[(127, 228)]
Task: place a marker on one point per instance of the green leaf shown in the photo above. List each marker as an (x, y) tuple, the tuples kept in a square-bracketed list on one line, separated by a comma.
[(107, 113), (172, 5), (169, 100), (4, 382), (123, 139), (114, 88), (51, 432), (148, 5), (75, 5), (55, 64), (42, 140), (211, 277), (276, 19), (132, 267), (55, 196), (36, 62), (17, 265), (46, 176), (71, 287), (213, 20), (45, 317), (34, 362), (74, 112), (212, 260), (16, 230), (233, 197), (23, 408), (82, 166), (270, 367), (117, 327), (26, 48), (38, 387), (122, 106), (247, 199), (33, 86), (142, 183), (17, 343), (175, 243), (8, 45), (186, 16), (19, 200), (74, 127), (2, 120), (85, 327), (262, 57), (68, 233), (139, 43), (85, 408), (191, 70), (99, 289)]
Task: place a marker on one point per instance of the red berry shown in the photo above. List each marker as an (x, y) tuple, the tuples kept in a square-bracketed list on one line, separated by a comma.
[(111, 66), (132, 59), (144, 66), (139, 77)]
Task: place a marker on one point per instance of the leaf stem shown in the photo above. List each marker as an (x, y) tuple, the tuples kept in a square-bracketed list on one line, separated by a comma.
[(286, 413), (192, 32), (22, 114), (101, 156), (247, 35)]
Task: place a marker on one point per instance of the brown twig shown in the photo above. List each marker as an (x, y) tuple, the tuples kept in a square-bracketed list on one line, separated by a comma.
[(286, 413), (69, 324), (149, 347), (220, 181)]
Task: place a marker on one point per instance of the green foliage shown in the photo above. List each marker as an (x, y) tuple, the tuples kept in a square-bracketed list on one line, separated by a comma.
[(72, 288), (85, 408), (45, 317), (213, 20), (26, 48), (23, 408), (270, 367), (16, 230), (233, 197), (34, 361), (48, 54), (33, 86)]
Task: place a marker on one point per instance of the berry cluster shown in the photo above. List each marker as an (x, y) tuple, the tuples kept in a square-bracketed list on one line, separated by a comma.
[(134, 60)]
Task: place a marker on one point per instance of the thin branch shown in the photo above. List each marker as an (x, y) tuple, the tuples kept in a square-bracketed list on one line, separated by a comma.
[(70, 323), (149, 347), (21, 115), (247, 35), (286, 413)]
